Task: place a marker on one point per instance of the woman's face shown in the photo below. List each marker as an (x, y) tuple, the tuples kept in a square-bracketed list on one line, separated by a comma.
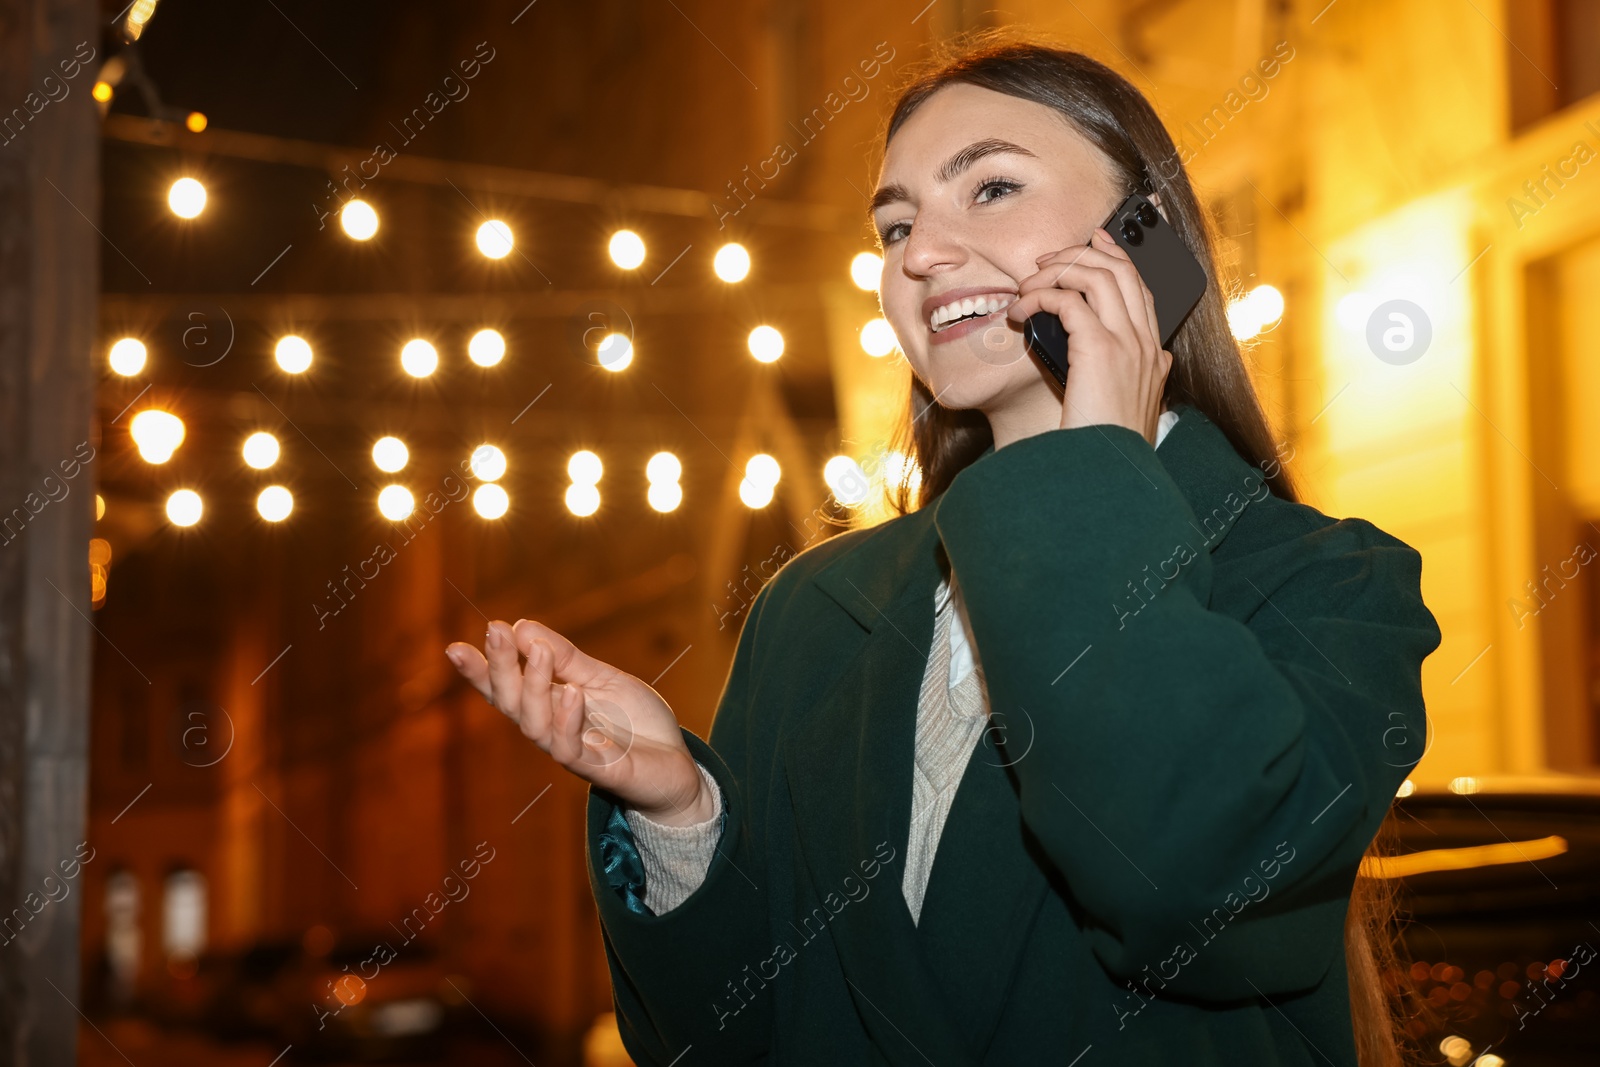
[(976, 186)]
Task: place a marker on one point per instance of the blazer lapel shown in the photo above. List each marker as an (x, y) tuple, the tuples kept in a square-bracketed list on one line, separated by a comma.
[(849, 766)]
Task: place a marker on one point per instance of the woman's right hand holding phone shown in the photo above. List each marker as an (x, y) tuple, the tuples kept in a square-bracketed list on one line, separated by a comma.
[(602, 724)]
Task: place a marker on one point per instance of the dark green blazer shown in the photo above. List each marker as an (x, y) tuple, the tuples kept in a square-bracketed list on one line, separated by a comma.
[(1204, 698)]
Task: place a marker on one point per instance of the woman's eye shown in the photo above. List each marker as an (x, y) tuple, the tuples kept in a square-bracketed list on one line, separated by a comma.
[(995, 183), (889, 235)]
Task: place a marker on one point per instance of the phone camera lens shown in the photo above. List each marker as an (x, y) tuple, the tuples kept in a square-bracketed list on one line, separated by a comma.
[(1131, 233), (1146, 214)]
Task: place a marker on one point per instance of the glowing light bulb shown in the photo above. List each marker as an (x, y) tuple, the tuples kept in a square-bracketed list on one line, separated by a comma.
[(731, 263), (486, 348), (127, 356), (395, 502), (389, 454), (866, 270), (419, 358), (186, 198), (293, 354), (627, 249), (584, 468), (877, 338), (490, 501), (261, 450), (488, 463), (157, 434), (616, 352), (765, 343), (359, 220), (494, 239), (274, 503), (184, 507)]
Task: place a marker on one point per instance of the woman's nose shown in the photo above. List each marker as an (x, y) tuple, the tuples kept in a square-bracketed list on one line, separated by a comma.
[(932, 245)]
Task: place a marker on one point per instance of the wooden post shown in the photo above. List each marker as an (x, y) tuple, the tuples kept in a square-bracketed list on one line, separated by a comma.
[(49, 279)]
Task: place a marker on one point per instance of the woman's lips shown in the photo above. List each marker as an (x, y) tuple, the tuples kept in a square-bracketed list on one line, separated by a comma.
[(966, 326)]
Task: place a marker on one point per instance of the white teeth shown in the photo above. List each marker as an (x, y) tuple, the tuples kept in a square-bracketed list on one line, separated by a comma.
[(957, 309)]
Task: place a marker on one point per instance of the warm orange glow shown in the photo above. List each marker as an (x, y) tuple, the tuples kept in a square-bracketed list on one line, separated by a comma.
[(196, 122), (101, 92), (1460, 859)]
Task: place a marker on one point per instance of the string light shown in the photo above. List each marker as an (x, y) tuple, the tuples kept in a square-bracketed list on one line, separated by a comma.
[(616, 352), (293, 354), (490, 501), (127, 356), (359, 220), (184, 507), (731, 263), (186, 198), (195, 121), (419, 358), (877, 338), (261, 450), (102, 92), (395, 502), (866, 270), (765, 343), (583, 495), (486, 348), (847, 480), (1255, 311), (157, 434), (389, 454), (488, 463), (274, 503), (662, 471), (627, 249), (494, 239), (761, 473)]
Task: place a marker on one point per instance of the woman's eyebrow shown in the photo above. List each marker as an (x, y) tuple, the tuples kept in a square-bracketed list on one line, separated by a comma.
[(952, 167)]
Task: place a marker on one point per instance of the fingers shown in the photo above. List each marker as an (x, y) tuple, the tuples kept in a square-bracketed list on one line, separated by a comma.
[(470, 662), (534, 707), (1109, 282), (566, 725), (568, 663), (505, 676), (1069, 305)]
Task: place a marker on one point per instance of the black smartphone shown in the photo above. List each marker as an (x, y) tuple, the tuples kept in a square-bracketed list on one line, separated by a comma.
[(1170, 271)]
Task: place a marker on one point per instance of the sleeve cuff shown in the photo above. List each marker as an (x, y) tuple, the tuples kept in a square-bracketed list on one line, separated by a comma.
[(676, 858)]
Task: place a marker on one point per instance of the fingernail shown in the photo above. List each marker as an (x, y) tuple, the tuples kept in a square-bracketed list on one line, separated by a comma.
[(493, 636), (453, 656)]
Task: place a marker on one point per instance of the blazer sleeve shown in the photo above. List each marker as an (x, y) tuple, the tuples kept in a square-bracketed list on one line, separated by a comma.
[(1206, 786), (671, 973)]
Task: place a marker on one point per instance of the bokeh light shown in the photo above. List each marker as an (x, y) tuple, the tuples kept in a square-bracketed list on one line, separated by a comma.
[(765, 343), (419, 358), (582, 498), (157, 434), (389, 454), (866, 270), (627, 249), (395, 502), (490, 501), (616, 351), (488, 463), (186, 198), (359, 220), (128, 356), (1252, 313), (584, 468), (486, 348), (293, 354), (195, 122), (274, 503), (877, 338), (261, 450), (731, 263), (184, 507), (494, 239)]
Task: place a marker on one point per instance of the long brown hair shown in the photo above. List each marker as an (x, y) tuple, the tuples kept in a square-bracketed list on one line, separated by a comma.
[(1208, 371)]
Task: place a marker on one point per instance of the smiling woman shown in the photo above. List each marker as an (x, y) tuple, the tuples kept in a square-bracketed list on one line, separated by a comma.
[(1079, 802)]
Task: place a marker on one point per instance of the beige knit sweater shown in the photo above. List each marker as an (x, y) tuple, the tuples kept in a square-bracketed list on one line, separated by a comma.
[(951, 715)]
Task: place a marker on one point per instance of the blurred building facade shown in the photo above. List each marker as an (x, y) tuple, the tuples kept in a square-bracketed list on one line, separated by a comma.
[(277, 726)]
